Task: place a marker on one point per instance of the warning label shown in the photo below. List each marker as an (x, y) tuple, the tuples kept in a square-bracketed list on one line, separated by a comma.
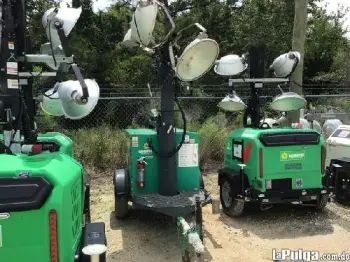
[(12, 84), (12, 68)]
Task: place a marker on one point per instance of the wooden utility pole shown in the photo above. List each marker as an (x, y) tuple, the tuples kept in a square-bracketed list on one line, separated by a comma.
[(298, 44)]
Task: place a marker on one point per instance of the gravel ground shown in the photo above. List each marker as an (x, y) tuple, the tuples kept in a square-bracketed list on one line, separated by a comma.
[(149, 237)]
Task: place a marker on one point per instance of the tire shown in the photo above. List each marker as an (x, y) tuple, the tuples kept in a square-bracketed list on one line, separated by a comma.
[(201, 182), (323, 201), (342, 201), (230, 205), (121, 207)]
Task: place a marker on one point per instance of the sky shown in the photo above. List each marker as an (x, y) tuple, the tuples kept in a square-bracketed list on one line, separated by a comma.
[(332, 6)]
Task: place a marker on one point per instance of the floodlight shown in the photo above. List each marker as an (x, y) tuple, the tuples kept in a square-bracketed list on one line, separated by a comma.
[(230, 65), (54, 18), (129, 41), (232, 103), (51, 103), (143, 22), (316, 125), (284, 65), (288, 101), (65, 99), (45, 49), (271, 122), (330, 125), (70, 93), (197, 58), (282, 121)]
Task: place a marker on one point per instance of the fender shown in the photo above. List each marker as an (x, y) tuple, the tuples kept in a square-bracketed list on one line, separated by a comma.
[(121, 182), (235, 178)]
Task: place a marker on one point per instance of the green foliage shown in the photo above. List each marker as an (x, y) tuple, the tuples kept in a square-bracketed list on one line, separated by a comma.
[(47, 123), (100, 148), (212, 137), (96, 38)]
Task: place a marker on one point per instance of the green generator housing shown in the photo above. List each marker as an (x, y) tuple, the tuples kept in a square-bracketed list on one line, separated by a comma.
[(293, 155), (188, 173), (271, 166), (31, 188)]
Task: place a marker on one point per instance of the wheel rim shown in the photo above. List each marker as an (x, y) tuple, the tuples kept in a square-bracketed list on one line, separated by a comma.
[(226, 194)]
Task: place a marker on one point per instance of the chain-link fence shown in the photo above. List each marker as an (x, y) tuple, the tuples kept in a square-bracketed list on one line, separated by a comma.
[(120, 108), (99, 140)]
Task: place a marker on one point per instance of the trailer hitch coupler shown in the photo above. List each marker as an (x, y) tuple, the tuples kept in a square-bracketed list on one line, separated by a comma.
[(94, 251)]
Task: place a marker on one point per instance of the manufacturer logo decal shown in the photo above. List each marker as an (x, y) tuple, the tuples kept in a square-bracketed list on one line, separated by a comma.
[(291, 155)]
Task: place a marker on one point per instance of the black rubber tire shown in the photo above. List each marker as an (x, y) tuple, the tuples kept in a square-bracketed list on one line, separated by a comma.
[(236, 208), (121, 207), (341, 201), (323, 201), (201, 182)]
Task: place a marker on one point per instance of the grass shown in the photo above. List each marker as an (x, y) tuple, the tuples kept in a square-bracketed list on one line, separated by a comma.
[(104, 148), (100, 148)]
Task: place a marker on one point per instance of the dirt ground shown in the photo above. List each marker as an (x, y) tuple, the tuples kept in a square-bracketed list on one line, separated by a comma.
[(149, 237)]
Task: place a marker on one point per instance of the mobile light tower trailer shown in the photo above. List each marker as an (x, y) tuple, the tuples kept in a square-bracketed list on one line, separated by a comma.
[(44, 191), (337, 150), (271, 165), (163, 173)]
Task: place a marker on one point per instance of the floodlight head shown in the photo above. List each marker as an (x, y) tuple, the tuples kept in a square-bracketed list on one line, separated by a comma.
[(232, 103), (288, 101), (230, 65), (197, 58), (330, 125), (66, 16), (129, 41), (45, 49), (284, 65), (271, 122), (316, 125), (70, 93), (51, 103), (143, 22)]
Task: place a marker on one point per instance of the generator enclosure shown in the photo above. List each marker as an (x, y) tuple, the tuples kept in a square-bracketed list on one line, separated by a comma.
[(43, 199), (276, 160), (187, 160)]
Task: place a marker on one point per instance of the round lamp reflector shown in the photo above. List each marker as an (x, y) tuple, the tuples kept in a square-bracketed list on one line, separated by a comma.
[(288, 101), (197, 59), (143, 23), (128, 41), (232, 103), (284, 65), (45, 49), (330, 125), (71, 108), (230, 65), (51, 103)]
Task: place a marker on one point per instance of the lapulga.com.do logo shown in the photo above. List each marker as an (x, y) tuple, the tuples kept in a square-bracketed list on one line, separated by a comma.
[(307, 256)]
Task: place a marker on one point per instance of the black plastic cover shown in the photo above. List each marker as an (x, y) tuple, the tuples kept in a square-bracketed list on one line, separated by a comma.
[(290, 139), (23, 193)]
